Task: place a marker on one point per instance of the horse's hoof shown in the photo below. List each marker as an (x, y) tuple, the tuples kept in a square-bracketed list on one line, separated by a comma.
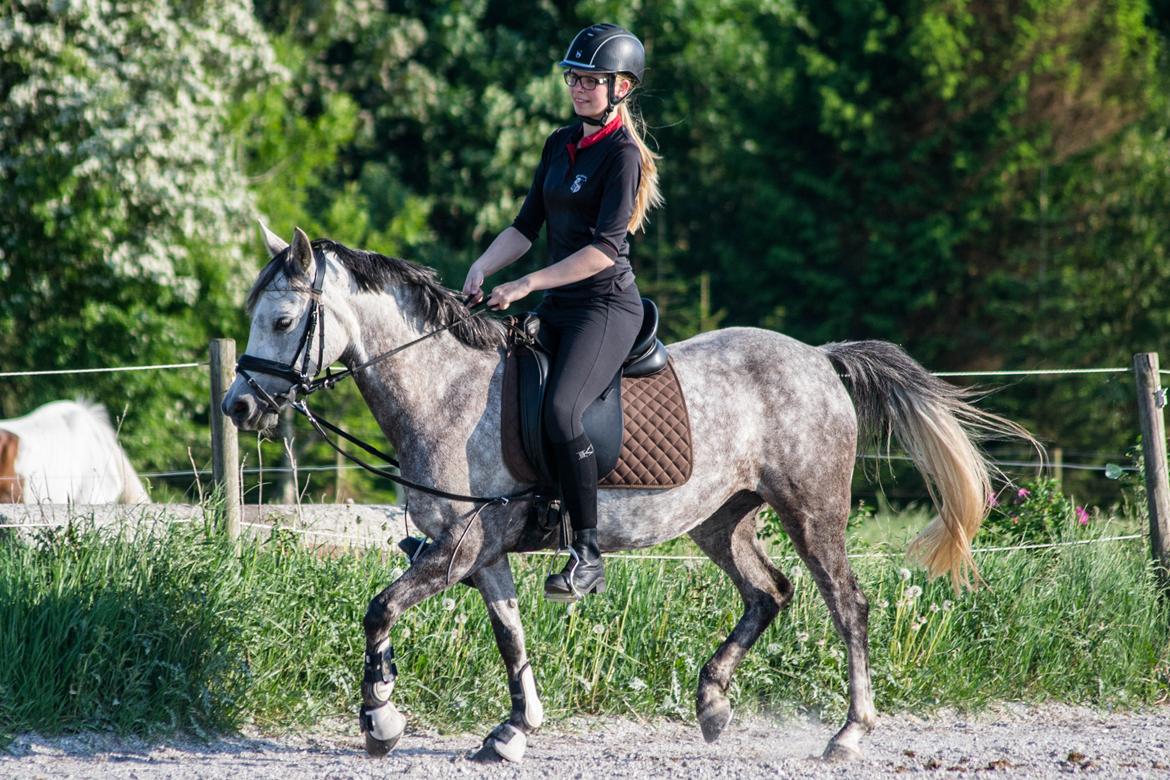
[(714, 719), (837, 753), (382, 726), (379, 747), (506, 742), (486, 755)]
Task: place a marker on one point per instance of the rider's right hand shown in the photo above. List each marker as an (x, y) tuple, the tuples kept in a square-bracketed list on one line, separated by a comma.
[(473, 286)]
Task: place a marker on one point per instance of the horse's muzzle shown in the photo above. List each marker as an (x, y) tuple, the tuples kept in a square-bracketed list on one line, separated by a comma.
[(247, 412)]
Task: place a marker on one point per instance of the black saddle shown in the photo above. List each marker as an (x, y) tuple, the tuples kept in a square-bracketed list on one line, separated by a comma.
[(603, 418)]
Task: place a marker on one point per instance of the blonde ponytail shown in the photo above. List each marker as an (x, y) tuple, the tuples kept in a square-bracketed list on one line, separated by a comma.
[(649, 194)]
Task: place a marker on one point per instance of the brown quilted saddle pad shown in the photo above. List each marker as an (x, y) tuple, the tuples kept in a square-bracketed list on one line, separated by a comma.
[(656, 433)]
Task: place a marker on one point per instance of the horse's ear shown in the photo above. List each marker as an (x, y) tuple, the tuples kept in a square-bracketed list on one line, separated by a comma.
[(275, 243), (302, 251)]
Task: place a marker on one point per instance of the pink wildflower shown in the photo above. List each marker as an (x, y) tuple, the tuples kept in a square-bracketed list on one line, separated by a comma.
[(1082, 515), (993, 500), (1023, 493)]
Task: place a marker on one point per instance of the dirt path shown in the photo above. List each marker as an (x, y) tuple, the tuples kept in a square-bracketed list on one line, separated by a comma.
[(1015, 741)]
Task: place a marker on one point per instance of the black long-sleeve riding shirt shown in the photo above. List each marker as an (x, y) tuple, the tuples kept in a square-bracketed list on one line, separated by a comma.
[(585, 191)]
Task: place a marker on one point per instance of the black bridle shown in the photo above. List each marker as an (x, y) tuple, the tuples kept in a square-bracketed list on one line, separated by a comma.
[(304, 384)]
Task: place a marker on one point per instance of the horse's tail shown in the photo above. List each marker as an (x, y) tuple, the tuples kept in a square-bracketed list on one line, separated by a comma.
[(133, 491), (938, 427)]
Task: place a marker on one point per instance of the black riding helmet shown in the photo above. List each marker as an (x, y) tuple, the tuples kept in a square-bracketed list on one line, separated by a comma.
[(606, 48)]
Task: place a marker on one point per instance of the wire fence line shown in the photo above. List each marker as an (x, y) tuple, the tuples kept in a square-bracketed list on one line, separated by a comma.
[(1001, 372), (862, 556), (116, 369), (1014, 463), (350, 467)]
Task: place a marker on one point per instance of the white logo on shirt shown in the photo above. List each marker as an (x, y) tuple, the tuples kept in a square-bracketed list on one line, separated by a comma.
[(577, 182)]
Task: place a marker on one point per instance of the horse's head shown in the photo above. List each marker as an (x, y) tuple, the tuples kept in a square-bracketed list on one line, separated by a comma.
[(295, 332)]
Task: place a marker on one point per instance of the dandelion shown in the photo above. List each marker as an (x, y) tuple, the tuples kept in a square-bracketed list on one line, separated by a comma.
[(820, 643), (796, 573), (404, 632), (586, 683), (638, 684), (599, 628), (773, 648), (883, 604), (913, 592), (802, 637), (461, 618), (904, 574), (1082, 515), (948, 605), (449, 604), (934, 608)]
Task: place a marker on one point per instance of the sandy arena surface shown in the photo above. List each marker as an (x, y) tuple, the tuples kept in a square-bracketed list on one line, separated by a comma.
[(1006, 741)]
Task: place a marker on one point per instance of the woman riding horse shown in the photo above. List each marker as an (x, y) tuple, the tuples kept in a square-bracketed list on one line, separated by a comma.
[(595, 182)]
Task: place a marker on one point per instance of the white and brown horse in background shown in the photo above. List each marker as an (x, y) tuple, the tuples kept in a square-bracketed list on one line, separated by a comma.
[(65, 452)]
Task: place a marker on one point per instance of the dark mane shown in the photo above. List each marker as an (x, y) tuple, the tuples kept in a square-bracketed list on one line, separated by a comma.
[(373, 272)]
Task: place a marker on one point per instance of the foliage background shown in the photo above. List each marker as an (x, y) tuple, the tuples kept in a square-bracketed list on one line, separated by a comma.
[(981, 182)]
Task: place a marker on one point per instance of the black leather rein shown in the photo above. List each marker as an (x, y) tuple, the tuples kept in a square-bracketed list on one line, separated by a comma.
[(304, 384)]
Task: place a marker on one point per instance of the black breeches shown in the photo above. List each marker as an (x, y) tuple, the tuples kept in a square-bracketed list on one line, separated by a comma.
[(591, 339)]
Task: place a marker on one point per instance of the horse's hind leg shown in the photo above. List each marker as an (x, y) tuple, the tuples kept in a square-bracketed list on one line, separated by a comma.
[(509, 739), (815, 521), (728, 537)]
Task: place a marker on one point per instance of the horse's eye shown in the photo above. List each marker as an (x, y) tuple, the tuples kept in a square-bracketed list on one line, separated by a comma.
[(284, 323)]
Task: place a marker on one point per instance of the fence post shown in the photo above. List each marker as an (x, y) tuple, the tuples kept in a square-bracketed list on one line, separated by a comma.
[(1151, 400), (1058, 466), (225, 451)]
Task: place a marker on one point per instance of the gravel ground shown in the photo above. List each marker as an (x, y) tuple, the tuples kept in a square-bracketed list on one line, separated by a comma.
[(1008, 740)]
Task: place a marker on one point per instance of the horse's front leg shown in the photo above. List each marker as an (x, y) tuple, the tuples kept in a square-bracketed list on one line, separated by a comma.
[(453, 556), (509, 740)]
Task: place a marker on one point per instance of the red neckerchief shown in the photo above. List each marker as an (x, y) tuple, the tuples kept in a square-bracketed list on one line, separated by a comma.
[(573, 147)]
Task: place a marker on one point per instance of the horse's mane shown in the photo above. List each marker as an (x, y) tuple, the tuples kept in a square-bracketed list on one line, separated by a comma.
[(437, 305)]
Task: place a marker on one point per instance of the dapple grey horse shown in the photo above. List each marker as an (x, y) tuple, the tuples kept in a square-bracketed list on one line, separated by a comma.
[(772, 421)]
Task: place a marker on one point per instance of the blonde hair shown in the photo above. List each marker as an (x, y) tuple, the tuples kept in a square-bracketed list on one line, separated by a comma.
[(649, 194)]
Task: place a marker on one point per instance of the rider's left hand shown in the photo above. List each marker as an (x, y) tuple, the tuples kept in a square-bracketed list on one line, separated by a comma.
[(508, 293)]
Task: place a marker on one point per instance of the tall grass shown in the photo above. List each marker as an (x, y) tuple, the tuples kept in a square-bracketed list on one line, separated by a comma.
[(186, 632)]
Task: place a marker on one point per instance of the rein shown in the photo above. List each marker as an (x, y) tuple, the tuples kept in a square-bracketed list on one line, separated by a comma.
[(306, 384)]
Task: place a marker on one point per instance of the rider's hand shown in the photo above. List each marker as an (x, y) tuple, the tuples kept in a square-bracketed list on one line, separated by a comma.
[(473, 286), (508, 293)]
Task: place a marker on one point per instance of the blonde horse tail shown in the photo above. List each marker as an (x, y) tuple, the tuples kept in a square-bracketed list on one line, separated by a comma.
[(939, 428)]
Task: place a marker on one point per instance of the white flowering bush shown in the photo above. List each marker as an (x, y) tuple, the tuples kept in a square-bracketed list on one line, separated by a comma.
[(113, 131), (124, 207)]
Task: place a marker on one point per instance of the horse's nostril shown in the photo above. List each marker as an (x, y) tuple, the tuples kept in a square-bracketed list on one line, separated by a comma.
[(240, 409)]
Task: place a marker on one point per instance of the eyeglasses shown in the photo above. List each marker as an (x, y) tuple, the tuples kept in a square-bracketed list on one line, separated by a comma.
[(588, 83)]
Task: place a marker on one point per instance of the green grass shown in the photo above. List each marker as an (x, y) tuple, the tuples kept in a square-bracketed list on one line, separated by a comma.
[(180, 632)]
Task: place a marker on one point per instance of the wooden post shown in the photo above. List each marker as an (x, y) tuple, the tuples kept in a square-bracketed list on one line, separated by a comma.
[(1058, 466), (1151, 400), (225, 450)]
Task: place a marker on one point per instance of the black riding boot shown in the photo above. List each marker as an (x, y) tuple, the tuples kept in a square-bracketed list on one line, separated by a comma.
[(583, 573), (577, 471)]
